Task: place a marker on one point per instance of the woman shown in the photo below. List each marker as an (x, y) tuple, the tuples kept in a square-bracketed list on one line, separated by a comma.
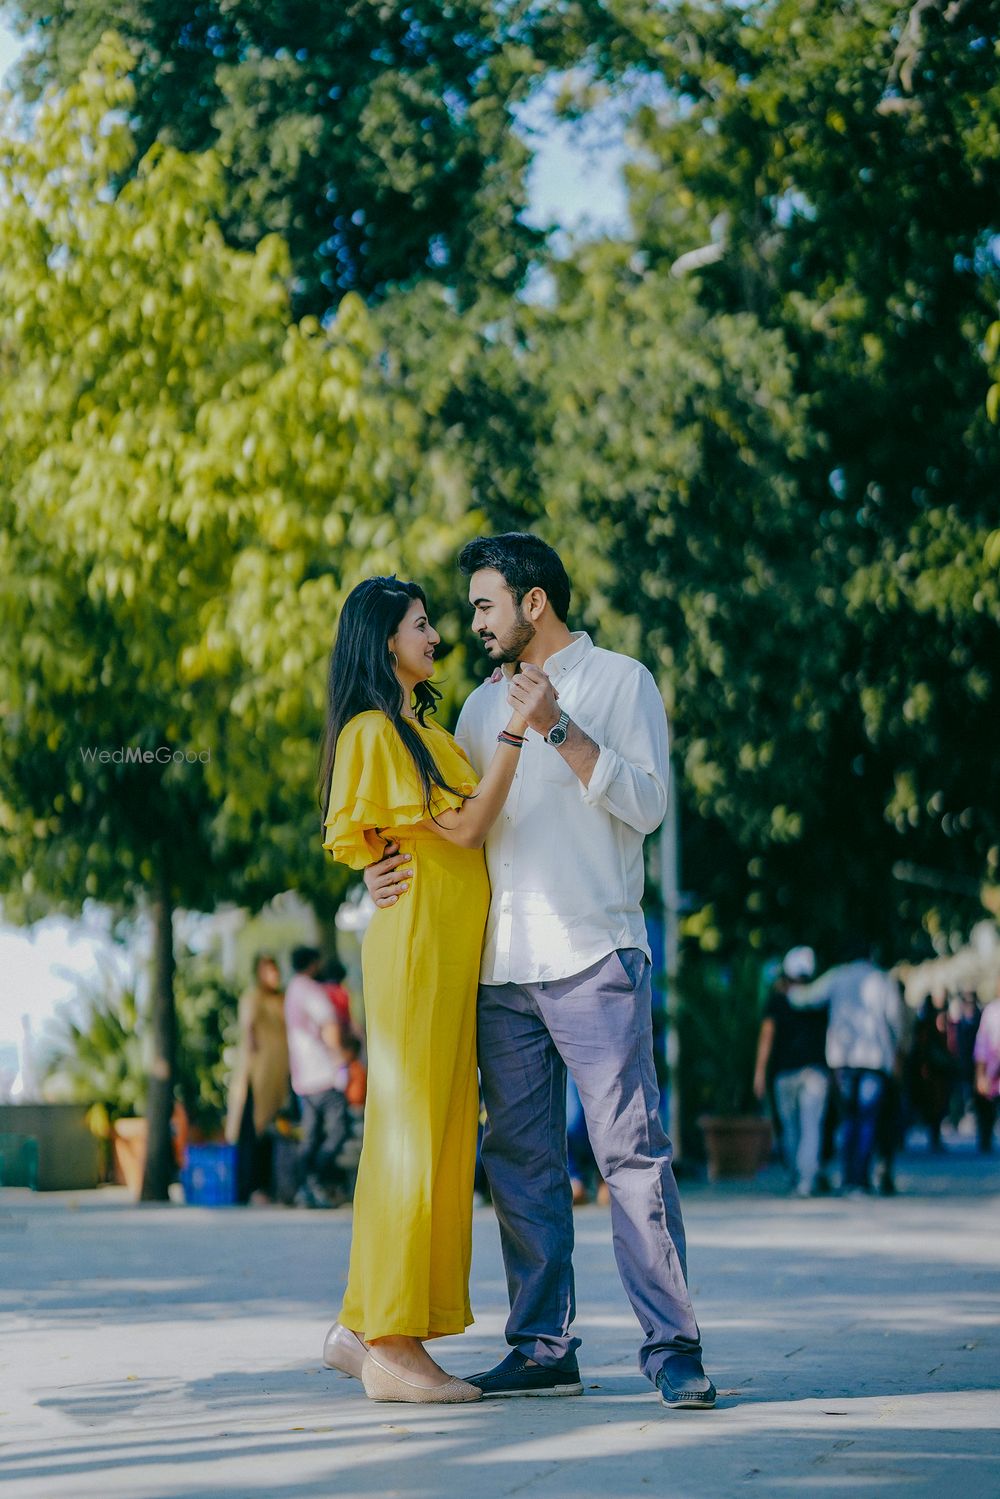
[(393, 775), (260, 1079)]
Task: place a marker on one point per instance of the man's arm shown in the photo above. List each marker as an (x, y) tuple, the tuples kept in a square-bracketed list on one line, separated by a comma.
[(631, 785), (810, 996)]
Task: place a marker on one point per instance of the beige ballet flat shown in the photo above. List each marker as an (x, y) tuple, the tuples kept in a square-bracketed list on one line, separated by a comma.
[(382, 1384), (344, 1350)]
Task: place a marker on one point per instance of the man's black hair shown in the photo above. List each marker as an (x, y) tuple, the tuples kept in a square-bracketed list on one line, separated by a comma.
[(304, 957), (524, 562)]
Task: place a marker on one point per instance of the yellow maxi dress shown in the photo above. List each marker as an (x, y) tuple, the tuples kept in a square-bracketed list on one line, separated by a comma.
[(411, 1249)]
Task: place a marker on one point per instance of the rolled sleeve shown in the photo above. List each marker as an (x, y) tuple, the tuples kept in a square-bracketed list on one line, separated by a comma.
[(633, 786), (601, 777)]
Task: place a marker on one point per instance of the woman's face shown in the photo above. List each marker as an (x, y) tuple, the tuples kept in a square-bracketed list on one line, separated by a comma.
[(268, 974), (413, 647)]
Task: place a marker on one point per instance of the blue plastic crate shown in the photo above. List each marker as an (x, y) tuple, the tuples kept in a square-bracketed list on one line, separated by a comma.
[(209, 1176)]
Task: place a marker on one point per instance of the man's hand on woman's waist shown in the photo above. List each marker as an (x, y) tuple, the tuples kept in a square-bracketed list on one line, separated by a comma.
[(390, 878)]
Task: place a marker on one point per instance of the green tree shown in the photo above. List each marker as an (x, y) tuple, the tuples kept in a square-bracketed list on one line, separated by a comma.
[(833, 170), (188, 485), (376, 138), (654, 444)]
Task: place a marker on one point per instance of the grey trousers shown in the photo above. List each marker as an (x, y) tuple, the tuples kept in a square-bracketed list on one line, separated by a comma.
[(598, 1024)]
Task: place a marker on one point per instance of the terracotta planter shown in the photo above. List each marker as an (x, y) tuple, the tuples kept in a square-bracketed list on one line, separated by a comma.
[(128, 1146), (737, 1145)]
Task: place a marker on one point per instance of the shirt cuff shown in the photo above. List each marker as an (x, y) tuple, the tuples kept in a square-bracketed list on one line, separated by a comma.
[(601, 777)]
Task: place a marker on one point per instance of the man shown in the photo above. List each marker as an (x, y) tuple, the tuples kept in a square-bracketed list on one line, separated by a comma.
[(319, 1080), (792, 1045), (565, 977), (862, 1051)]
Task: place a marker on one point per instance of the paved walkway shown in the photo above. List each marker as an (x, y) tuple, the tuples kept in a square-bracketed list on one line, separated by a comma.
[(174, 1352)]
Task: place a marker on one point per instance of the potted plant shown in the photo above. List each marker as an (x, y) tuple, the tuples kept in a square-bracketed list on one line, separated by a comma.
[(718, 1021), (102, 1057), (207, 1033)]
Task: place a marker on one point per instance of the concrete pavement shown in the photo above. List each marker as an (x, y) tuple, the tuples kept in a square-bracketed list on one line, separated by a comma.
[(166, 1351)]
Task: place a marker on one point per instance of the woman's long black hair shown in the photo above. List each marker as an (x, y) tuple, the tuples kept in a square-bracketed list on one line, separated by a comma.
[(362, 678)]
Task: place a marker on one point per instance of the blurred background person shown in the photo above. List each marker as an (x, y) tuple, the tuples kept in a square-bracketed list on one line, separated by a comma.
[(584, 1176), (863, 1040), (931, 1070), (331, 975), (963, 1024), (259, 1085), (356, 1090), (319, 1068), (987, 1060), (791, 1049)]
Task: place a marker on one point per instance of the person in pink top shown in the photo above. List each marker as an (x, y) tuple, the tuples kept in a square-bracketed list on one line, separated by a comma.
[(318, 1066), (986, 1056)]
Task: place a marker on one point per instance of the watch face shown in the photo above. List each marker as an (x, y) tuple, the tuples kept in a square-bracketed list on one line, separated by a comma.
[(558, 736)]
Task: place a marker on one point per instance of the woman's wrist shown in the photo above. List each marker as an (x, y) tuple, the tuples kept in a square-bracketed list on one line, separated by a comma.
[(513, 734)]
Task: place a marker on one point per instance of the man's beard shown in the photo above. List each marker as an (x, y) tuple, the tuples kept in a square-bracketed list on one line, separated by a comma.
[(513, 645)]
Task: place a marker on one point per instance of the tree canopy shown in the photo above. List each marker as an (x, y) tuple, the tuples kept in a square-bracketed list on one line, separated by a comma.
[(376, 138), (759, 427), (190, 482), (833, 172)]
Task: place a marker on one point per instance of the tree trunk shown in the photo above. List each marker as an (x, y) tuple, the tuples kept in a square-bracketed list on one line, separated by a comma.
[(163, 1024), (327, 934)]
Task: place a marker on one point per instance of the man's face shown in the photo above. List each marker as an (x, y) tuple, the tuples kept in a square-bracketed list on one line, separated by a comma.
[(498, 621)]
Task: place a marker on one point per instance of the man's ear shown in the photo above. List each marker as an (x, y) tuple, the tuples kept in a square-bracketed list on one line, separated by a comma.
[(534, 602)]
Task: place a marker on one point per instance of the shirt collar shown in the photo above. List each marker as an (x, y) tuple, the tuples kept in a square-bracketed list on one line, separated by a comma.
[(571, 655), (562, 661)]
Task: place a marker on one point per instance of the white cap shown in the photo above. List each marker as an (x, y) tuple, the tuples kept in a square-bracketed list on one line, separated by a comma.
[(799, 963)]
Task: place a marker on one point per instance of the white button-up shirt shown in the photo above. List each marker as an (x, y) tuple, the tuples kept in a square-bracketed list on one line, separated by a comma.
[(565, 860)]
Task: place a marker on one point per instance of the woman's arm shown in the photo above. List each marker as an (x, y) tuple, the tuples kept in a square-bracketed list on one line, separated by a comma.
[(764, 1045), (469, 825)]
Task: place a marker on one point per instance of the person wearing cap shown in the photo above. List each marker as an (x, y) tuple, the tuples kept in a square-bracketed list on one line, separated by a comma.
[(863, 1041), (792, 1048)]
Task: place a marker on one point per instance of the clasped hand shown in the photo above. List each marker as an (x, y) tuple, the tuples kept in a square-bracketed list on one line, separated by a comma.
[(533, 696)]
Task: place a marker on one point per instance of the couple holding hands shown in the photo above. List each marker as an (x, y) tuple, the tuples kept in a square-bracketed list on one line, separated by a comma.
[(506, 865)]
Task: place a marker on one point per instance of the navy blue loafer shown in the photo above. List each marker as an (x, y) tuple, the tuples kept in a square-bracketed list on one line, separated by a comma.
[(517, 1376), (684, 1385)]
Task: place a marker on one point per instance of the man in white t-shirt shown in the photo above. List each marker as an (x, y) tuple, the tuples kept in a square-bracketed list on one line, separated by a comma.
[(318, 1066), (565, 981)]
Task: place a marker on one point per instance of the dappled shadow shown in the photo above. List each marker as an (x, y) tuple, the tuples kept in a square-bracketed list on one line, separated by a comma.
[(855, 1346), (598, 1446)]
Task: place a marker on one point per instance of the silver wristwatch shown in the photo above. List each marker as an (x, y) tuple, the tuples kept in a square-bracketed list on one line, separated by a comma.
[(557, 733)]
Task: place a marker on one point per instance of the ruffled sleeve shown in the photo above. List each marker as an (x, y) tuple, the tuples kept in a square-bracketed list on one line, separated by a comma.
[(375, 785)]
